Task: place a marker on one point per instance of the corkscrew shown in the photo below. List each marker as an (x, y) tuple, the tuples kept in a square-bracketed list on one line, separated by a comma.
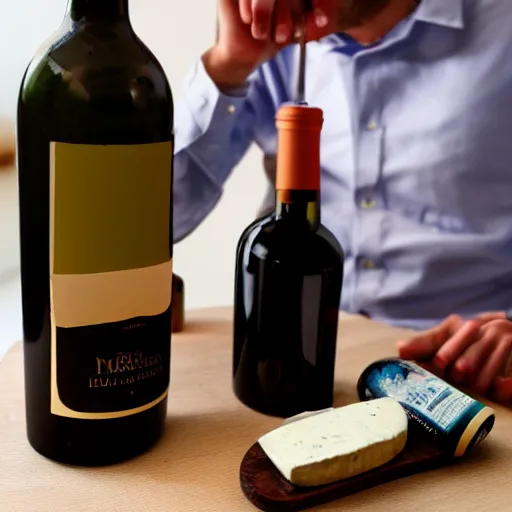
[(301, 81)]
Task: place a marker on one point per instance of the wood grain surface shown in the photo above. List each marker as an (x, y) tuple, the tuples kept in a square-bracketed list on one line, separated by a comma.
[(196, 466)]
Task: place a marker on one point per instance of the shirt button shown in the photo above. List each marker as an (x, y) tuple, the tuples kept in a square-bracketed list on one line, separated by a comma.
[(367, 203), (231, 109), (368, 264), (372, 125)]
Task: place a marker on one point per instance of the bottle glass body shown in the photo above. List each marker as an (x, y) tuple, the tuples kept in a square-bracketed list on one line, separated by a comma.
[(95, 127), (289, 271)]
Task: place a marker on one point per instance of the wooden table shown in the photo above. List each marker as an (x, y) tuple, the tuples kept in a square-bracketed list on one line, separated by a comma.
[(195, 467)]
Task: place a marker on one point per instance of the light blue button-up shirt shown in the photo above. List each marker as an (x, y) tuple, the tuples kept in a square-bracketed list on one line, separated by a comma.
[(416, 157)]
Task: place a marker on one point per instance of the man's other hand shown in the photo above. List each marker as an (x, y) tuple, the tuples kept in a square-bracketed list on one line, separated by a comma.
[(474, 353)]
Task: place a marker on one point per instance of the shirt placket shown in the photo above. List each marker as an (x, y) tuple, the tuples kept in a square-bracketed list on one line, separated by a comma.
[(368, 223)]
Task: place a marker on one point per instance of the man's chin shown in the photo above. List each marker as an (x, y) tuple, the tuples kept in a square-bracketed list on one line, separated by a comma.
[(354, 14)]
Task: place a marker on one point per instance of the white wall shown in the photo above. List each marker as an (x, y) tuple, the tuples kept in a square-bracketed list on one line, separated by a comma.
[(177, 32)]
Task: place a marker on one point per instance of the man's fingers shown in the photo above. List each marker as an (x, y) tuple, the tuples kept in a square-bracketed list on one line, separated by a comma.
[(283, 23), (495, 365), (423, 346), (262, 14), (503, 390), (492, 315), (476, 356), (245, 7), (457, 345), (274, 19), (321, 21)]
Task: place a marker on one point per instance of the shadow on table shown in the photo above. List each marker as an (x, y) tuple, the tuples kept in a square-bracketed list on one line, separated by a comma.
[(197, 444), (203, 438), (195, 447), (193, 327)]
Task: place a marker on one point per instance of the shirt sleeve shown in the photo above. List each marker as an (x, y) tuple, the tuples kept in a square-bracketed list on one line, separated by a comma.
[(213, 131)]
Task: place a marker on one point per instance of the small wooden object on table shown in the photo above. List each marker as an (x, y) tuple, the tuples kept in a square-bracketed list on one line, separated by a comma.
[(7, 145), (177, 304)]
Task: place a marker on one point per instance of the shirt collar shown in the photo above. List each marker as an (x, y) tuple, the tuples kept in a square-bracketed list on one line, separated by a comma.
[(447, 13)]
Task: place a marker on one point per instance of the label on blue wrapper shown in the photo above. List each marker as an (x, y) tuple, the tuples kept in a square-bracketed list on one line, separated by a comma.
[(456, 420), (431, 399)]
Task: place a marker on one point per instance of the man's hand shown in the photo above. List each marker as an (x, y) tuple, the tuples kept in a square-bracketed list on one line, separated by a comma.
[(475, 353), (252, 31)]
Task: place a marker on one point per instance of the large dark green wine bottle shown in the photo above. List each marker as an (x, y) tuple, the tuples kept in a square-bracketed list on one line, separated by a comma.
[(95, 152)]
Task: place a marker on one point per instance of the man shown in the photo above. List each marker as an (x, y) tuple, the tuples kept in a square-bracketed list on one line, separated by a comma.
[(416, 156)]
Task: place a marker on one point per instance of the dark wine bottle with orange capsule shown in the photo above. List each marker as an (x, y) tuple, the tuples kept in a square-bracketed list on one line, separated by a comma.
[(289, 273)]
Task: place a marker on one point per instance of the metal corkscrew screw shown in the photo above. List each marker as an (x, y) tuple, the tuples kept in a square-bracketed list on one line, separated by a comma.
[(301, 81)]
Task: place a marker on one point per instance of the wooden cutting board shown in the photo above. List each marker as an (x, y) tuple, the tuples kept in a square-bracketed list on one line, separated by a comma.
[(268, 490)]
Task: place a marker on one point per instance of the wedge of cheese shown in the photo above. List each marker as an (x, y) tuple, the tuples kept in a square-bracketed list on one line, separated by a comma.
[(306, 414), (338, 443)]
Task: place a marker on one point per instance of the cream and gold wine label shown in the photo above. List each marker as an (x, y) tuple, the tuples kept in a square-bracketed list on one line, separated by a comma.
[(110, 278)]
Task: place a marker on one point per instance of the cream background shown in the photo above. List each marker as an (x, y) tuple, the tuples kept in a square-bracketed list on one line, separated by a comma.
[(177, 32)]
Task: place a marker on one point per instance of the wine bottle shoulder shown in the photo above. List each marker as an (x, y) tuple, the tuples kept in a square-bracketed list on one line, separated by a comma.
[(97, 76), (329, 237), (271, 240)]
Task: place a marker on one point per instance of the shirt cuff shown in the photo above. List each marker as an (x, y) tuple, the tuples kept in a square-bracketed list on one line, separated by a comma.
[(207, 104)]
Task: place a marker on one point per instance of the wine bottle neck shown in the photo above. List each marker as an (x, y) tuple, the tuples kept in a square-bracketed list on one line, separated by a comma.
[(298, 164), (300, 207), (98, 10)]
